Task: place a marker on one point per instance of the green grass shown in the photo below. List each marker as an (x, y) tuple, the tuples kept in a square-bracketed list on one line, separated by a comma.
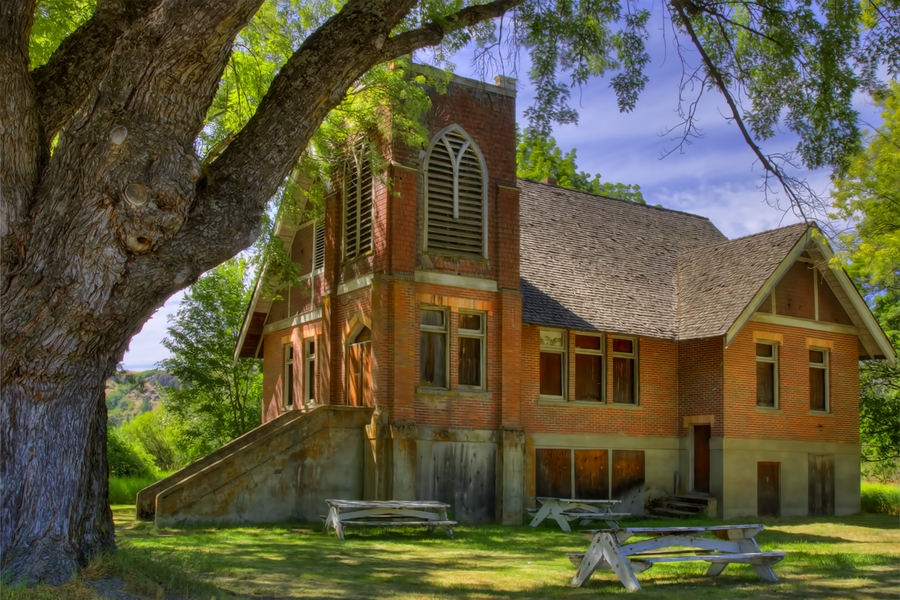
[(122, 490), (880, 498), (836, 557)]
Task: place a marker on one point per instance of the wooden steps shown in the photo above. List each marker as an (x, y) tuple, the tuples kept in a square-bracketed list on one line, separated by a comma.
[(684, 506)]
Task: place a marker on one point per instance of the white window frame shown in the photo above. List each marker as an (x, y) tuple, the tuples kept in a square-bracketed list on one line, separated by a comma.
[(472, 334), (288, 383), (445, 329), (309, 383), (776, 401), (637, 366), (555, 341), (601, 352), (824, 366), (470, 143)]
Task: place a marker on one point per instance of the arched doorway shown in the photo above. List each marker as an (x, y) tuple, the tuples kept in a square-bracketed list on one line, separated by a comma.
[(359, 368)]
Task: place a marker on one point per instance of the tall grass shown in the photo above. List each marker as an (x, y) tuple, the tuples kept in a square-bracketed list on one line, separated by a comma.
[(880, 498), (122, 490)]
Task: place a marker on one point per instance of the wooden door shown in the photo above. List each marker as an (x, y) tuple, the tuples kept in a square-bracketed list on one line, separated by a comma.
[(821, 484), (702, 434), (360, 374), (768, 493)]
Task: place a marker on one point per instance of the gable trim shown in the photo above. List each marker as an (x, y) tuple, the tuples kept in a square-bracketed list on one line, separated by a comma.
[(804, 323)]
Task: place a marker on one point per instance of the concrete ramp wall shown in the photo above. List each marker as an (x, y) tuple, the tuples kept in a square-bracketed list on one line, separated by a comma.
[(285, 472)]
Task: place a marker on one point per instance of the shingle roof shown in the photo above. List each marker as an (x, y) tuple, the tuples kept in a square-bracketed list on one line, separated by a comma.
[(601, 264), (716, 283)]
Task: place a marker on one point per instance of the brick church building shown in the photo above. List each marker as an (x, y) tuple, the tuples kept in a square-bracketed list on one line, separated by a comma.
[(470, 337)]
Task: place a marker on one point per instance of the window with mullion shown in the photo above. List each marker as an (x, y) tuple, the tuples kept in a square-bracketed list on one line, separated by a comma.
[(818, 379), (471, 328), (767, 374), (624, 366), (553, 364), (433, 348), (589, 367)]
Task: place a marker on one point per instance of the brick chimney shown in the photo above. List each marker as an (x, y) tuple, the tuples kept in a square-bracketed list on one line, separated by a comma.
[(550, 180)]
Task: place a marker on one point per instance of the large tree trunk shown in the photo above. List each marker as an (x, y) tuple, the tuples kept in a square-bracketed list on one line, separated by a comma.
[(97, 236)]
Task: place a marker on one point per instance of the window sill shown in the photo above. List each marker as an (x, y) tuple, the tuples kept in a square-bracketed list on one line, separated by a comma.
[(820, 413), (550, 401), (769, 409), (457, 393)]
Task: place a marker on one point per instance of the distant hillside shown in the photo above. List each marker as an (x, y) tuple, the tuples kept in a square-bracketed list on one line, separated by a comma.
[(131, 393)]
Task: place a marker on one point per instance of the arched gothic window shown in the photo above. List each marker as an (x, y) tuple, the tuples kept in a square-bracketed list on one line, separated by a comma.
[(455, 195), (358, 202)]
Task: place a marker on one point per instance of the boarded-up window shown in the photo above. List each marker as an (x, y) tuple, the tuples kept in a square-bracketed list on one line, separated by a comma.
[(553, 363), (818, 379), (592, 474), (628, 480), (553, 472), (456, 197), (433, 348), (310, 372), (471, 349), (358, 202), (766, 374), (360, 368), (624, 371), (589, 368), (821, 484)]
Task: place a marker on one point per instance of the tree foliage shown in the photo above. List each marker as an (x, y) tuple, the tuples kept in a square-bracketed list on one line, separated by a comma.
[(219, 398), (152, 432), (539, 158), (868, 197)]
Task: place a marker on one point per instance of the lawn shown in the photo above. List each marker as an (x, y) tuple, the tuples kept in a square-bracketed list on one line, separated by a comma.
[(838, 557)]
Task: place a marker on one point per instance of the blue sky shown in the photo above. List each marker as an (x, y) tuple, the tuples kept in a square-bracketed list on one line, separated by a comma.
[(716, 176)]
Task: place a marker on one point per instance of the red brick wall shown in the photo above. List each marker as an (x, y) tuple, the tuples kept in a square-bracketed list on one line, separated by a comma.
[(656, 414), (792, 421), (273, 367), (701, 385)]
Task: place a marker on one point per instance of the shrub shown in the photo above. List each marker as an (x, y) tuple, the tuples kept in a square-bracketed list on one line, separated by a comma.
[(880, 498), (127, 459)]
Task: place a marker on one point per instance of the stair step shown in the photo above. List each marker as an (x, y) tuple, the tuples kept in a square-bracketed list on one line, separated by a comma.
[(691, 499), (683, 505)]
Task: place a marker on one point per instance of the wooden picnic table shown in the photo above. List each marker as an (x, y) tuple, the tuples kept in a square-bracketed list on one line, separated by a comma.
[(724, 545), (563, 510), (387, 513)]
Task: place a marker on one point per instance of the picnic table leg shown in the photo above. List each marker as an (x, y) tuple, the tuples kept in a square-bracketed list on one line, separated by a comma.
[(333, 520), (716, 569), (541, 515), (764, 571), (556, 513), (612, 524), (605, 548)]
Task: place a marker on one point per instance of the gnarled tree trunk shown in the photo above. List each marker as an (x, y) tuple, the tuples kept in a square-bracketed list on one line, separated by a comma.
[(96, 236)]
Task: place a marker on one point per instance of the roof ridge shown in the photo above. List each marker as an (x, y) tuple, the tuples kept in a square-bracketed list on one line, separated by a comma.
[(748, 236), (593, 195)]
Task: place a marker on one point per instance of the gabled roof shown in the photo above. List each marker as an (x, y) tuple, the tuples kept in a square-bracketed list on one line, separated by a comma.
[(716, 283), (595, 263)]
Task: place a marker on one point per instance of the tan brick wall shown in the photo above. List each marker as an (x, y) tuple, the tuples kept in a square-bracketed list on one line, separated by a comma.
[(792, 420)]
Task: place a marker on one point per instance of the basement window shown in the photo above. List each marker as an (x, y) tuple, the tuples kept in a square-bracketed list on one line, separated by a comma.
[(625, 371), (767, 374), (553, 364), (359, 190), (456, 196), (818, 379), (589, 367), (433, 349)]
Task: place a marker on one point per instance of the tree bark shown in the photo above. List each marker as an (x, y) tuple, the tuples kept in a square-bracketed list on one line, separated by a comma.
[(122, 215)]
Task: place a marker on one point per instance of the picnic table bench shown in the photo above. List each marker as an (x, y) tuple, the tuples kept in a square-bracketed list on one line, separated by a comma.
[(724, 545), (563, 510), (387, 513)]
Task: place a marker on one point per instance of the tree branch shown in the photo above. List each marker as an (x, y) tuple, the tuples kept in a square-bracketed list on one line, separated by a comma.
[(787, 183), (76, 67), (432, 33)]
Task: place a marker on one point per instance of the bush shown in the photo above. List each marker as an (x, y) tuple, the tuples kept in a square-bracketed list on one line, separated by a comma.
[(880, 498), (127, 459)]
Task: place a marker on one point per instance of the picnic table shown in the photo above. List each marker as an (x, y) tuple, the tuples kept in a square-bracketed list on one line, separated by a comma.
[(563, 510), (387, 513), (724, 545)]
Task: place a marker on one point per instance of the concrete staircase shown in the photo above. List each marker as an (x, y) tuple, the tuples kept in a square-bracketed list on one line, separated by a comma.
[(683, 506), (281, 470)]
